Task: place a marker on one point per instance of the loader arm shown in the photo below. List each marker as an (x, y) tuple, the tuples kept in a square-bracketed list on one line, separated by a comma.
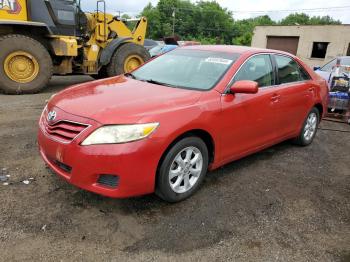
[(138, 34)]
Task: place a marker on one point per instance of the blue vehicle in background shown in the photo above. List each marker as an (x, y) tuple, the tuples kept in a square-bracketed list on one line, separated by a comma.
[(169, 44), (161, 49)]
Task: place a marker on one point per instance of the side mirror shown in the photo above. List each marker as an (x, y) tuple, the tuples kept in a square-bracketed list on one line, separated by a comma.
[(317, 68), (244, 87)]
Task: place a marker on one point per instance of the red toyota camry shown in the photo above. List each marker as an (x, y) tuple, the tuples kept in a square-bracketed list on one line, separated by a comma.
[(160, 128)]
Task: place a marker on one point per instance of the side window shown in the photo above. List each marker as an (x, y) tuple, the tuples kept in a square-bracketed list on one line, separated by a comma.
[(289, 71), (329, 66), (258, 69)]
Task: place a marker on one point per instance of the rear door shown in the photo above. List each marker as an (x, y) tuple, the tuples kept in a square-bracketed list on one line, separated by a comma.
[(249, 120), (296, 90)]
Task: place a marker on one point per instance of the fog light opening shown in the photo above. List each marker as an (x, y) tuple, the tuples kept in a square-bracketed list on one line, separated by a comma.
[(110, 181)]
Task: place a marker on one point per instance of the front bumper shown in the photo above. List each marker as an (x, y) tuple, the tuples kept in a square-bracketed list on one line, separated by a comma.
[(134, 163)]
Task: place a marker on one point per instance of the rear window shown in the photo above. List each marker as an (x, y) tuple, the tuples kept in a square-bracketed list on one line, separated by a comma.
[(289, 71)]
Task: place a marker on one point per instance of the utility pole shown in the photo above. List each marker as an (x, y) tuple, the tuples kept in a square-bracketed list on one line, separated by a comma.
[(174, 17)]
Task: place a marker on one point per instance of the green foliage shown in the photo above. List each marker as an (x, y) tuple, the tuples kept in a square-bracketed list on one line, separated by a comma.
[(206, 21), (244, 29), (324, 20), (209, 23), (304, 19), (125, 16)]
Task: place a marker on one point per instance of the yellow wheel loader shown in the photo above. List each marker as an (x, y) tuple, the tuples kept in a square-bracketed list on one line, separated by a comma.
[(41, 38)]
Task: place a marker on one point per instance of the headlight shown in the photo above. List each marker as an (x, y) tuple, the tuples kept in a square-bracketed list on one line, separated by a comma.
[(116, 134)]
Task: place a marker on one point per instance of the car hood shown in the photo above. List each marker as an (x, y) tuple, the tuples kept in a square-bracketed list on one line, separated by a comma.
[(122, 100)]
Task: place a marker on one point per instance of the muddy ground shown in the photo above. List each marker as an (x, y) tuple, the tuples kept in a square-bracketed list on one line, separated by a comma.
[(286, 203)]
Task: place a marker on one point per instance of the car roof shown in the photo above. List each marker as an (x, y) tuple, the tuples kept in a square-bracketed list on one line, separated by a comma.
[(233, 49)]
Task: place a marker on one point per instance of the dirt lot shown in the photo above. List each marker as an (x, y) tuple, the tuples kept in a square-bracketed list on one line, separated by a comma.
[(286, 203)]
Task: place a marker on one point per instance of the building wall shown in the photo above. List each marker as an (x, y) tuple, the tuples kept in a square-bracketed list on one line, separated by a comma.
[(338, 37)]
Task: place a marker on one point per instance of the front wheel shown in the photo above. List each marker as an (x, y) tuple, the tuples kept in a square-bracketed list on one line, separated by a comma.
[(182, 170), (309, 129)]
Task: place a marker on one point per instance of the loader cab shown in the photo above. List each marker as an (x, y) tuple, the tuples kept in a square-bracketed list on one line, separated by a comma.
[(59, 15)]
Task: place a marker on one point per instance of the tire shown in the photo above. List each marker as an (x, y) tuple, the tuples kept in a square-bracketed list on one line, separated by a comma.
[(121, 55), (166, 186), (310, 124), (101, 74), (38, 65)]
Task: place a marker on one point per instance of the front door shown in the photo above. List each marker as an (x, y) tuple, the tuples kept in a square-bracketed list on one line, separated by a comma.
[(249, 120)]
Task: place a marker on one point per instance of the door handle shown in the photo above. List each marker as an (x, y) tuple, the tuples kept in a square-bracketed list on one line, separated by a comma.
[(311, 89)]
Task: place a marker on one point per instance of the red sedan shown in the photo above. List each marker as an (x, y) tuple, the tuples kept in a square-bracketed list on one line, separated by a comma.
[(160, 128)]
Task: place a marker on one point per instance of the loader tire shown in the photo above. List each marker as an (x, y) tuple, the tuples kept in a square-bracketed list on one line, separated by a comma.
[(127, 58), (25, 65), (102, 73)]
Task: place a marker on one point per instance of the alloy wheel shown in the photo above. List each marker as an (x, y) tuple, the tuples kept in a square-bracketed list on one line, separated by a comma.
[(185, 169), (310, 127)]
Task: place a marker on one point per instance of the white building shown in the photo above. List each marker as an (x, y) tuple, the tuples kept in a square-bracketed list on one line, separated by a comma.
[(314, 44)]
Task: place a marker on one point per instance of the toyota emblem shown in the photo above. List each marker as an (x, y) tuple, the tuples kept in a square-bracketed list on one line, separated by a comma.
[(51, 115)]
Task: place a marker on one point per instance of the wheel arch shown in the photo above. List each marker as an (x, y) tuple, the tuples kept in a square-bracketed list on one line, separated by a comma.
[(202, 134), (320, 109)]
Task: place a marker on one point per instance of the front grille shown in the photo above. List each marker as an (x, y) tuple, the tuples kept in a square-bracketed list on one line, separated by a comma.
[(64, 130), (108, 180)]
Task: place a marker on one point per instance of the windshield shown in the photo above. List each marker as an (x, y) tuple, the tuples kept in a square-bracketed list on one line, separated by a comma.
[(329, 66), (345, 61), (185, 68)]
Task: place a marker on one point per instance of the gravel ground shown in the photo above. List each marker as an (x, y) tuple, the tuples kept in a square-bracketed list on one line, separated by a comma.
[(285, 203)]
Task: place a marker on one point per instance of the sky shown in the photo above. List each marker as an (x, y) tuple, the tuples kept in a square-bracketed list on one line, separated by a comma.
[(247, 7)]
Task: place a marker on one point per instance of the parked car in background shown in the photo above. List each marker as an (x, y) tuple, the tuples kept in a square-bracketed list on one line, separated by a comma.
[(164, 48), (149, 44), (326, 70), (188, 43), (161, 49), (161, 127)]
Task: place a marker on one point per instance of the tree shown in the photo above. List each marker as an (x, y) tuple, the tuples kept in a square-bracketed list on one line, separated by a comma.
[(209, 23), (244, 28), (304, 19), (154, 29), (125, 16), (203, 20), (324, 20), (213, 22)]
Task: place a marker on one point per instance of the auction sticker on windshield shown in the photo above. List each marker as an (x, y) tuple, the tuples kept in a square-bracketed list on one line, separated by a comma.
[(218, 60)]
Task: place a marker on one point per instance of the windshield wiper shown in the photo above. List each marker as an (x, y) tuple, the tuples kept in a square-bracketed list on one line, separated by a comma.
[(158, 82), (148, 80), (130, 75)]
